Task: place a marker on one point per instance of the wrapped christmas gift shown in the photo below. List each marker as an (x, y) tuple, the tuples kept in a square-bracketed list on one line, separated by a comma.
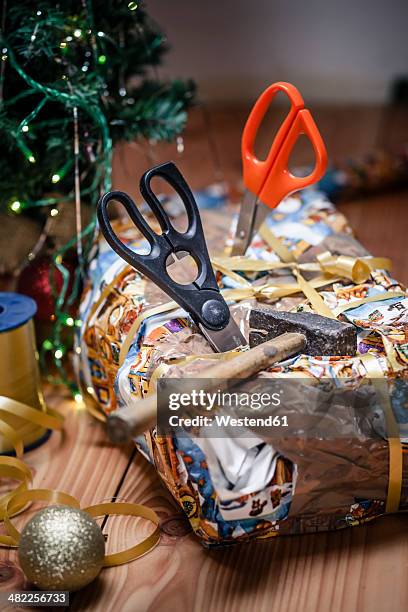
[(236, 488), (376, 171)]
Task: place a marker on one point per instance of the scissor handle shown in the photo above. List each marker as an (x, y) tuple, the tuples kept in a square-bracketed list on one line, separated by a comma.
[(201, 298), (254, 169), (280, 182)]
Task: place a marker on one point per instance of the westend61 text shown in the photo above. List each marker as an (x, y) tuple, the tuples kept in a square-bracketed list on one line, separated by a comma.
[(222, 420)]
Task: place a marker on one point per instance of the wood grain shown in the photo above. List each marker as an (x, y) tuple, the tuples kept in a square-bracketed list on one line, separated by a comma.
[(355, 569), (381, 225)]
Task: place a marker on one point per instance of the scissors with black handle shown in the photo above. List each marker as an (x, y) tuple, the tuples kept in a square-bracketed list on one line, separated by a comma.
[(201, 298)]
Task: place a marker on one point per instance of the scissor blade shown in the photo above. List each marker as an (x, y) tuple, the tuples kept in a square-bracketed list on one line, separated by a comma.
[(261, 213), (243, 234), (225, 339)]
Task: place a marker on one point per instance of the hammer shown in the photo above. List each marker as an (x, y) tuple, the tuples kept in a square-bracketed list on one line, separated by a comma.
[(274, 336)]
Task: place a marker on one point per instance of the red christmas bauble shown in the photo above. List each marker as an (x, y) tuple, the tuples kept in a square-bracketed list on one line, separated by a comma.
[(35, 281)]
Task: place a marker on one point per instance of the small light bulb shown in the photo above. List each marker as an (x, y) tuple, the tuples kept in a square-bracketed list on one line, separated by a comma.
[(58, 354), (78, 350), (15, 206), (70, 322), (90, 390), (84, 68), (101, 34), (58, 259), (63, 45), (102, 59), (78, 322), (54, 212), (132, 6), (47, 344), (56, 178), (68, 38), (31, 256), (180, 144), (77, 33), (33, 37), (4, 57), (78, 398), (39, 13), (31, 159), (25, 128)]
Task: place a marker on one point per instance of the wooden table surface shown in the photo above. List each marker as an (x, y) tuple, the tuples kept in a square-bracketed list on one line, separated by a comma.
[(359, 569)]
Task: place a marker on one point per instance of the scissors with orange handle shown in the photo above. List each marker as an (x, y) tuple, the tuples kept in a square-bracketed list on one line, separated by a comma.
[(269, 181)]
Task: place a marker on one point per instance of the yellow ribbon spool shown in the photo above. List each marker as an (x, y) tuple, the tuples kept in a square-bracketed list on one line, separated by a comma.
[(23, 415), (24, 419)]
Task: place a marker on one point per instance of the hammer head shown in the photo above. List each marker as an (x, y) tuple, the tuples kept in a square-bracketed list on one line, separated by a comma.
[(324, 336)]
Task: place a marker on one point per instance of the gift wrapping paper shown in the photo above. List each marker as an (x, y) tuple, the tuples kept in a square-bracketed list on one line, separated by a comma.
[(237, 489)]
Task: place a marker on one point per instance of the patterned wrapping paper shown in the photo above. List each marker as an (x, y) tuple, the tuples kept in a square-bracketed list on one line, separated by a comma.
[(376, 171), (233, 490)]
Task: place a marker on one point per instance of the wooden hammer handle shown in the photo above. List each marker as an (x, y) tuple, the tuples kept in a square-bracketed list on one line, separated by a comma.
[(133, 420)]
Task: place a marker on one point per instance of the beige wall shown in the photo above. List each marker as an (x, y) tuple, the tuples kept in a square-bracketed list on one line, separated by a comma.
[(337, 50)]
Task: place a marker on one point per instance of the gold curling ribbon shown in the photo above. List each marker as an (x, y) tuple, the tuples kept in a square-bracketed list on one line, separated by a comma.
[(247, 291), (11, 467), (314, 297), (124, 349), (227, 270), (20, 499), (380, 297), (277, 245), (12, 436), (391, 354), (375, 372), (23, 414), (246, 264), (109, 288), (49, 419), (128, 509), (270, 291), (357, 269), (20, 383), (349, 267), (23, 419)]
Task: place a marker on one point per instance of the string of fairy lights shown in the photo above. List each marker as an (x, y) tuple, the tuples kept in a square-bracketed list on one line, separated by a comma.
[(79, 103)]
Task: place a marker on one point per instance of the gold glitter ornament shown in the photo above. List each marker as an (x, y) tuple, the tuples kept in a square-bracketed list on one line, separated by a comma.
[(61, 548)]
